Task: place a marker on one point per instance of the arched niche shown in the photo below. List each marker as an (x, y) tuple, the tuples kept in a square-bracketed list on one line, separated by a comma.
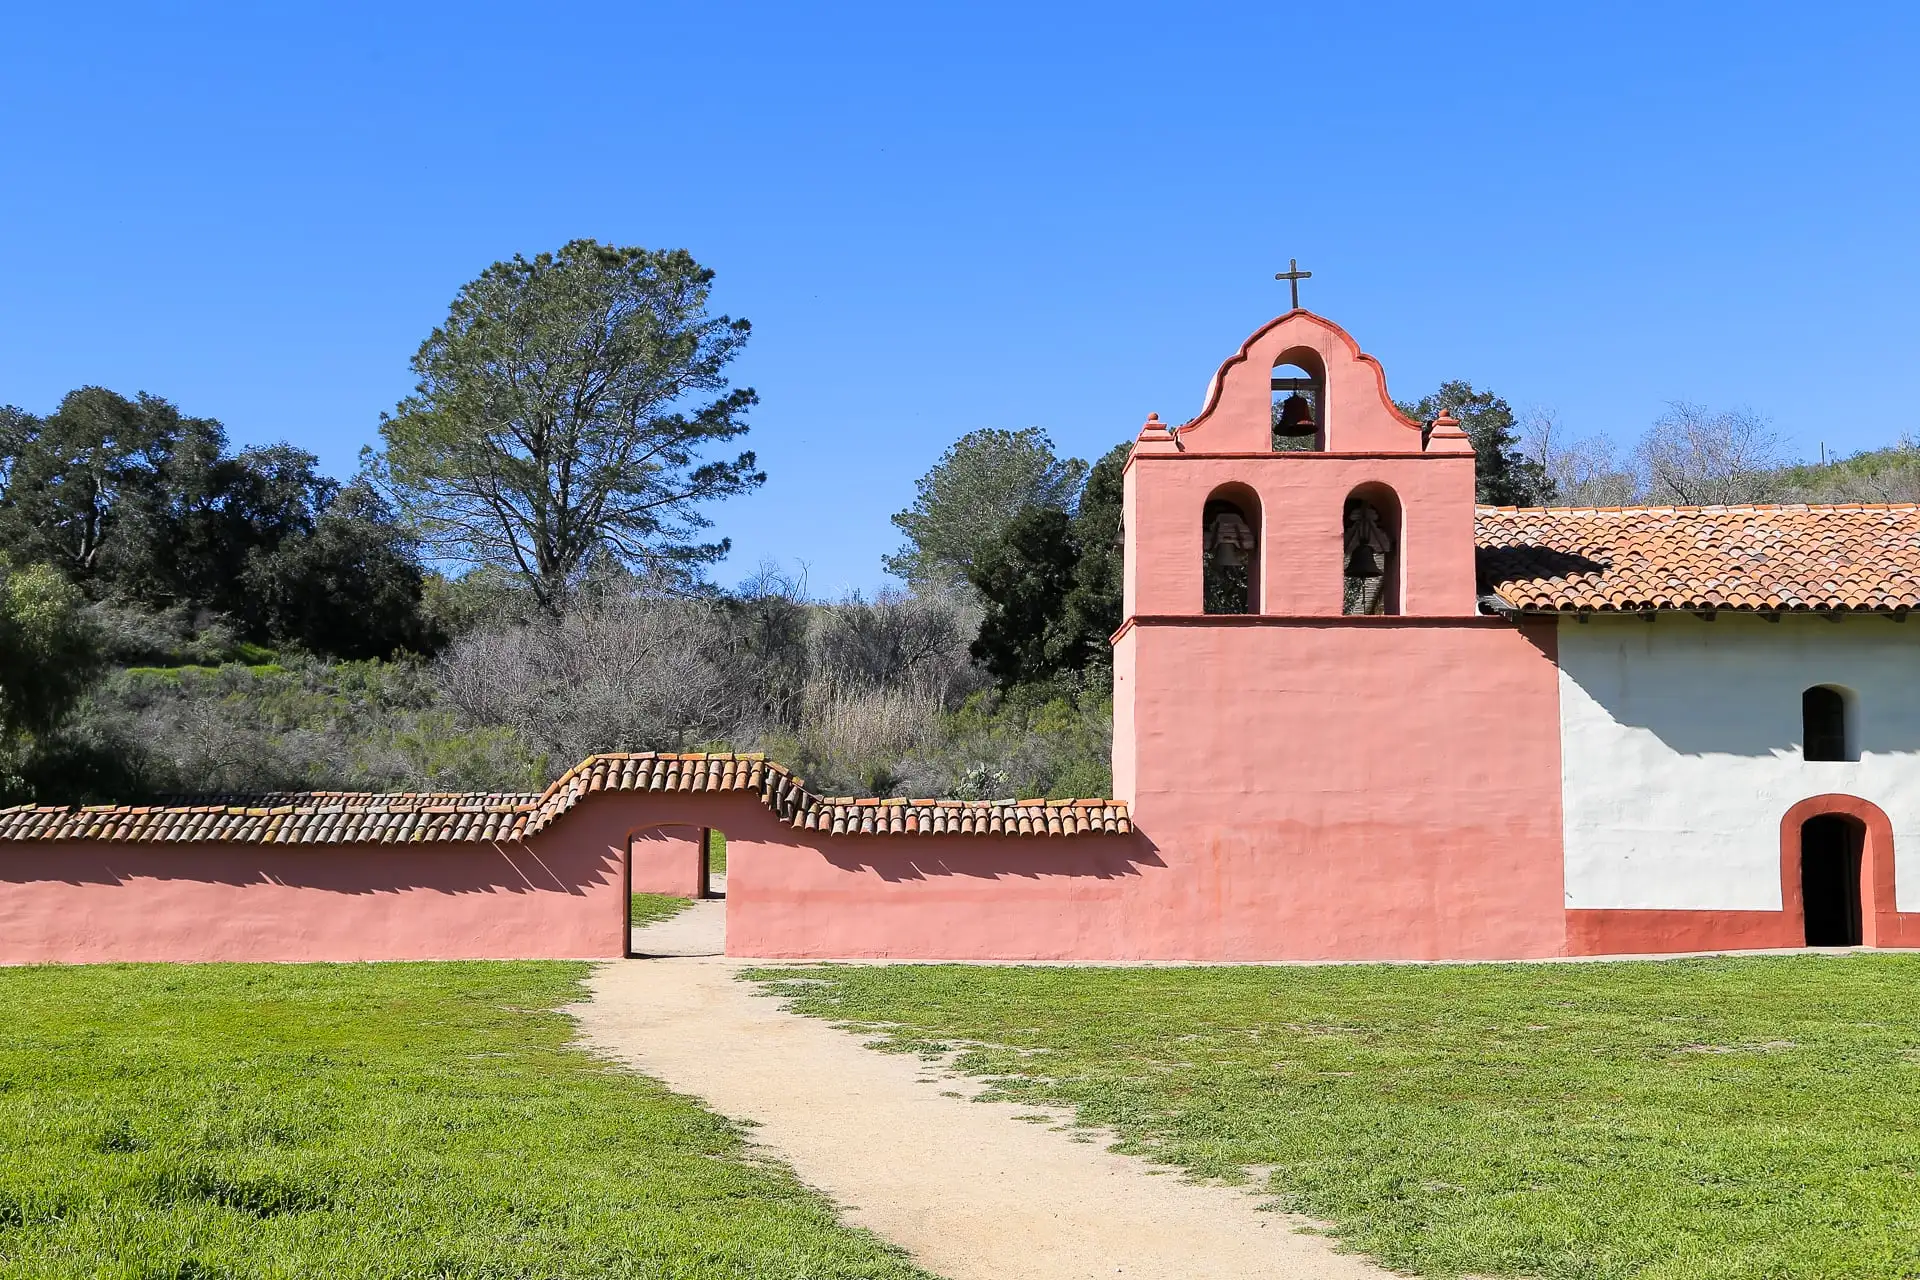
[(1230, 549), (1299, 408), (1372, 548)]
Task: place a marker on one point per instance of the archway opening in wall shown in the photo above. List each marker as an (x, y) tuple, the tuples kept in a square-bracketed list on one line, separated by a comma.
[(676, 883), (713, 864), (1372, 538), (1299, 416), (1831, 845), (1230, 551)]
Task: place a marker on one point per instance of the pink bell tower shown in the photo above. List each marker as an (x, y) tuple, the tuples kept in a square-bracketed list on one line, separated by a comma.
[(1306, 696)]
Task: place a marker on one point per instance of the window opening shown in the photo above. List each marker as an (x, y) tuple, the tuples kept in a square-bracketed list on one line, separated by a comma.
[(1823, 718)]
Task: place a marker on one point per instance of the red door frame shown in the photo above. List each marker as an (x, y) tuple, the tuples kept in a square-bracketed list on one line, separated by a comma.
[(1880, 922)]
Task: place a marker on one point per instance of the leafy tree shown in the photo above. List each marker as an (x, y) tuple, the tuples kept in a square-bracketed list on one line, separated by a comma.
[(1023, 581), (189, 536), (1094, 604), (558, 416), (141, 505), (1503, 473), (49, 654), (963, 505), (349, 587), (77, 476), (1051, 586), (480, 597)]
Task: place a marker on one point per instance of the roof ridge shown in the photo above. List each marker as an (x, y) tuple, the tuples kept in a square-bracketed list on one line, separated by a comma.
[(336, 817), (1764, 558), (1490, 509)]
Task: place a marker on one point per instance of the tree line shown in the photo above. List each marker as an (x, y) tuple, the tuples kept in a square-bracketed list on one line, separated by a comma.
[(519, 574)]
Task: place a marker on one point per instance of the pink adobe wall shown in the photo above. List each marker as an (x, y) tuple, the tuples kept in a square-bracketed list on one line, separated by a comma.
[(668, 860), (1292, 802), (1372, 788), (946, 897), (560, 894), (1302, 502)]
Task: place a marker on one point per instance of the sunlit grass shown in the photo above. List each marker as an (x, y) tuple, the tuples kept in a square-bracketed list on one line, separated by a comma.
[(651, 908), (1753, 1117), (347, 1121)]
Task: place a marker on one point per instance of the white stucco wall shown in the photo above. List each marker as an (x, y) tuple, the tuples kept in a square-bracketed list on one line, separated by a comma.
[(1680, 751)]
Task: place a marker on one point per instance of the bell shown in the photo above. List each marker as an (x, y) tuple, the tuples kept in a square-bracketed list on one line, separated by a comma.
[(1296, 417)]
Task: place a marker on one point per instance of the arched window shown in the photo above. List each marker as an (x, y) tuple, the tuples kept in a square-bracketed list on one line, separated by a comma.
[(1230, 551), (1299, 401), (1827, 731), (1370, 551)]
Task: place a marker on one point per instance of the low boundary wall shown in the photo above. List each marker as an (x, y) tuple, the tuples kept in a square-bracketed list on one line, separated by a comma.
[(332, 876), (348, 878)]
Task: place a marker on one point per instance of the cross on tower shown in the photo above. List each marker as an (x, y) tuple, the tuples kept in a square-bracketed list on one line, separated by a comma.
[(1293, 275)]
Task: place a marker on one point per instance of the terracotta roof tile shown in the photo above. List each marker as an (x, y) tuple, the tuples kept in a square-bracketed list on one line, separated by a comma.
[(1759, 559), (341, 817)]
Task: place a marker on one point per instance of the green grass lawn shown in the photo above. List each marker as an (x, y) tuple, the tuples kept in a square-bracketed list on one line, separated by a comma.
[(716, 853), (651, 908), (421, 1120), (1703, 1118)]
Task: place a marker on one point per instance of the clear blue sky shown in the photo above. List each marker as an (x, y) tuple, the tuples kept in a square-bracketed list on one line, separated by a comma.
[(946, 217)]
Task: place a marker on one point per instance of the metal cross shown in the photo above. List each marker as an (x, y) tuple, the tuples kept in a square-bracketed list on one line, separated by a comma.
[(1293, 275)]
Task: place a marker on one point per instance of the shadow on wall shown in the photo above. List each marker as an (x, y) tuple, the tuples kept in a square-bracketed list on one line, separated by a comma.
[(895, 858), (1518, 563), (1739, 686), (354, 869)]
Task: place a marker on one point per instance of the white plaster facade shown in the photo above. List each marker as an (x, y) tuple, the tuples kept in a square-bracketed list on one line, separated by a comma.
[(1680, 751)]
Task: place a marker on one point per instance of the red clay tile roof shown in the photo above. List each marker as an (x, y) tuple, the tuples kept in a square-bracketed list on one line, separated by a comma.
[(336, 817), (1758, 559)]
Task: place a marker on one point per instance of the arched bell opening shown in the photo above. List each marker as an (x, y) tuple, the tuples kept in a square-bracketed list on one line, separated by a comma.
[(1299, 401), (1230, 550), (1372, 537)]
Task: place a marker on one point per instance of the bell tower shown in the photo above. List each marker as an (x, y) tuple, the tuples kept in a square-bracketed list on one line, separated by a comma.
[(1298, 511)]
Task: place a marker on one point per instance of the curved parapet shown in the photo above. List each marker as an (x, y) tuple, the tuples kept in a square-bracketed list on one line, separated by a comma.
[(1360, 415), (335, 817)]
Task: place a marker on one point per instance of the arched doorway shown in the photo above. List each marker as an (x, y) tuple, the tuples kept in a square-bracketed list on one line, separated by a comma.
[(1837, 876), (1831, 849)]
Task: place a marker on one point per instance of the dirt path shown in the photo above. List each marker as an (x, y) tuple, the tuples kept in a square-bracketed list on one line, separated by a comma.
[(970, 1192), (699, 930)]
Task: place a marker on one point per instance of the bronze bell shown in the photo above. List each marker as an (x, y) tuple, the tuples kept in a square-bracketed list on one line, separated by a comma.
[(1296, 417)]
